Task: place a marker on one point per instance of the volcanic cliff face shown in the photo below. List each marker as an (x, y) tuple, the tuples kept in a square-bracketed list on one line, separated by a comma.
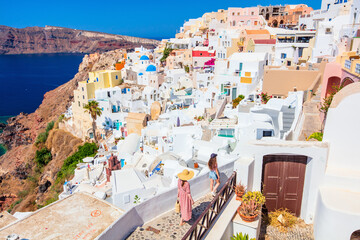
[(17, 165), (64, 40)]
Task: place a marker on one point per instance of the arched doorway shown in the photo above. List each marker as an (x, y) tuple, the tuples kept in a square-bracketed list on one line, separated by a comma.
[(275, 23), (332, 83), (267, 16), (346, 81), (283, 178), (355, 235), (281, 22)]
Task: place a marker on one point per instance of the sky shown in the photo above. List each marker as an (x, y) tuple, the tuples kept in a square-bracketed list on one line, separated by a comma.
[(140, 18)]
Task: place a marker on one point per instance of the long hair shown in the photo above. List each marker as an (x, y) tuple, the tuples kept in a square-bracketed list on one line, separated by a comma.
[(212, 163), (182, 182)]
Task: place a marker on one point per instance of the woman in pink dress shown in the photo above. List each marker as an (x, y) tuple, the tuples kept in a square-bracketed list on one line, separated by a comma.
[(184, 195)]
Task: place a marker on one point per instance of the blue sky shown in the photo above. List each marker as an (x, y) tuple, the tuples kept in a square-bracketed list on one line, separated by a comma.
[(152, 19)]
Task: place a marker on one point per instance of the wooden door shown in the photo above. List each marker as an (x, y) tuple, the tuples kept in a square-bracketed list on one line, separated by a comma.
[(283, 181)]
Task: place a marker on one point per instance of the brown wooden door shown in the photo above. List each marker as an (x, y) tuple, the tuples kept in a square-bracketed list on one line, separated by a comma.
[(283, 181)]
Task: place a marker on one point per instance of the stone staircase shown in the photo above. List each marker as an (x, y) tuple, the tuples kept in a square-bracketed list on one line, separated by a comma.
[(288, 119)]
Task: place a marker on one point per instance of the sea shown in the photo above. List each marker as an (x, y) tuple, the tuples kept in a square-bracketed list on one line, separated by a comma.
[(25, 78)]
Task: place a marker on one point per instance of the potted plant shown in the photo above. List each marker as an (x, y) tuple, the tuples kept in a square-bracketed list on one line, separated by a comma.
[(250, 207), (239, 191)]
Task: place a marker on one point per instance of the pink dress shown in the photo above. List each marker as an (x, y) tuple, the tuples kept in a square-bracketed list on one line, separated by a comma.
[(184, 200)]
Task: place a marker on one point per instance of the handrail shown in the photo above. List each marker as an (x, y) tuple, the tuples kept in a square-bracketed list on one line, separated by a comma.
[(204, 222)]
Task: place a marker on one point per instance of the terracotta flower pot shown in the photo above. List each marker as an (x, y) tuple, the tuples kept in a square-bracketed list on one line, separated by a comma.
[(239, 195), (248, 218)]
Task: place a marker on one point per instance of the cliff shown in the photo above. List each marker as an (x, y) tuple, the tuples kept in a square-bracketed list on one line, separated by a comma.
[(20, 182), (64, 40)]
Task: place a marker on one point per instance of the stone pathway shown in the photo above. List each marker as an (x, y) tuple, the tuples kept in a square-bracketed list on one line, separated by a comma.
[(312, 122), (168, 224), (300, 231)]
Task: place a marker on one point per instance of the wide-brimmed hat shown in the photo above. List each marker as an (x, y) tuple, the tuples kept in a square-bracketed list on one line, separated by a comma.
[(213, 155), (186, 175)]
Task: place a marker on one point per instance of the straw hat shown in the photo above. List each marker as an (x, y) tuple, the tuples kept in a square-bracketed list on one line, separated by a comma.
[(186, 175)]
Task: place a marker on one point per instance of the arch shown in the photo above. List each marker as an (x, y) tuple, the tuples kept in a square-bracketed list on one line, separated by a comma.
[(331, 83), (355, 235), (267, 16), (275, 23), (281, 21), (346, 81), (234, 23), (263, 12)]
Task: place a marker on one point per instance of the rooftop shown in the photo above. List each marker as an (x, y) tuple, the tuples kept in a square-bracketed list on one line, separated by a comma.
[(80, 216)]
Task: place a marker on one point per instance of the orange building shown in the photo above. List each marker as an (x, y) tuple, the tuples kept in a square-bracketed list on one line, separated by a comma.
[(290, 17), (247, 34)]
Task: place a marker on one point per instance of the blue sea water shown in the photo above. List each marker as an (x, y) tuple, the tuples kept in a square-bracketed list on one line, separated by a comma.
[(24, 79)]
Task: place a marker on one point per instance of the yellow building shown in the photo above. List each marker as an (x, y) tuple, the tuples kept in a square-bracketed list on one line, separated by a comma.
[(82, 122), (350, 63)]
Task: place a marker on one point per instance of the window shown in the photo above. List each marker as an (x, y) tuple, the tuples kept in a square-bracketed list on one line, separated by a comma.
[(79, 103), (283, 55), (267, 133), (357, 68), (195, 63), (108, 94), (255, 23), (226, 132), (347, 64), (233, 14), (83, 97), (116, 77), (289, 63), (238, 14), (252, 13), (200, 54), (82, 89)]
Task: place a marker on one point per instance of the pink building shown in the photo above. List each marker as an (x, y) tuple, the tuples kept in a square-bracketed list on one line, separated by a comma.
[(201, 55), (244, 17)]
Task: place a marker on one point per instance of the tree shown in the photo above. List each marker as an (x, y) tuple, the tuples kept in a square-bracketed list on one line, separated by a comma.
[(93, 108)]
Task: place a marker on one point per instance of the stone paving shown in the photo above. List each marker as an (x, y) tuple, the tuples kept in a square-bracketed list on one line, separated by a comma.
[(300, 231), (168, 224)]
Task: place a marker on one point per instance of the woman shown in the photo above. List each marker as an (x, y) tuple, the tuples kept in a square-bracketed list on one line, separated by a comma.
[(184, 195), (214, 174)]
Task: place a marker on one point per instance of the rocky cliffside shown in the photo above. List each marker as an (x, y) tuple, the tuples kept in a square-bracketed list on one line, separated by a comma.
[(64, 40), (19, 182)]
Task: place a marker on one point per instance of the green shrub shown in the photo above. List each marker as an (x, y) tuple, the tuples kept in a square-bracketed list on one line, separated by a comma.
[(49, 126), (61, 117), (42, 157), (237, 100), (316, 135), (86, 150), (42, 137)]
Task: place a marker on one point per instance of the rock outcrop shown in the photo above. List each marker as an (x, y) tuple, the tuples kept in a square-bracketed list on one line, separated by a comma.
[(17, 164), (64, 40)]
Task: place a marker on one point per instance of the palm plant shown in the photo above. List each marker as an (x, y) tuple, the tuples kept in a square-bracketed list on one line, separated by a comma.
[(93, 108)]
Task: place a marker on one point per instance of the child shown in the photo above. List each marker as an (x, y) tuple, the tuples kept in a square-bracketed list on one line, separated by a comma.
[(214, 174)]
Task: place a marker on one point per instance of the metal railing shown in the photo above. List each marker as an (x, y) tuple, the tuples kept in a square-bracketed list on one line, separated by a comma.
[(204, 223)]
